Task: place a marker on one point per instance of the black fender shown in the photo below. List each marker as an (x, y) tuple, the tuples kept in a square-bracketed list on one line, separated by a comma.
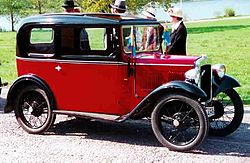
[(21, 82), (0, 84), (187, 87), (174, 86), (227, 82)]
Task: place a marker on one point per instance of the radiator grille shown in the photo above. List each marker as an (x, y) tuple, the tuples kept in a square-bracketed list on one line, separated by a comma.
[(176, 76)]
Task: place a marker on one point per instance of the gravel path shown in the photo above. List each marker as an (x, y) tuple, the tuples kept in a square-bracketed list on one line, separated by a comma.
[(76, 140)]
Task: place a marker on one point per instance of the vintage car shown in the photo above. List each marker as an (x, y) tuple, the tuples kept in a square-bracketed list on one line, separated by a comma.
[(110, 67)]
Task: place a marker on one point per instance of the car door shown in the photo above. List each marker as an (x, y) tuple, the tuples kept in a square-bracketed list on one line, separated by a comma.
[(86, 72)]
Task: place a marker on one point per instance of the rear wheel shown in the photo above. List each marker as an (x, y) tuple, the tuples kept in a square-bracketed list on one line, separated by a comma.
[(33, 110), (229, 111), (179, 123)]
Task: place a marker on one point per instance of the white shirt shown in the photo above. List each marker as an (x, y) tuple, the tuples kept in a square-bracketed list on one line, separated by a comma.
[(176, 25)]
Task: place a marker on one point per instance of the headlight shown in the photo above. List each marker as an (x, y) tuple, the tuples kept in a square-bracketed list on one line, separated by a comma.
[(219, 69), (192, 75)]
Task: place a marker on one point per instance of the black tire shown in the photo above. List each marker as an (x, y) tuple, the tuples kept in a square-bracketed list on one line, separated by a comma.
[(230, 110), (33, 110), (179, 122)]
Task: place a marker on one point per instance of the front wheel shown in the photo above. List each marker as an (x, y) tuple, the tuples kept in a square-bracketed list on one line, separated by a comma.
[(179, 122), (33, 110), (229, 111)]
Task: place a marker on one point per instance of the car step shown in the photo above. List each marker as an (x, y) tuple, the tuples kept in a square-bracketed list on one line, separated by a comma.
[(92, 116)]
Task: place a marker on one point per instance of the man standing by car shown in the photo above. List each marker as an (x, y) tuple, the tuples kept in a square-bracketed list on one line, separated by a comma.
[(118, 6), (70, 7), (150, 13), (179, 33), (149, 33)]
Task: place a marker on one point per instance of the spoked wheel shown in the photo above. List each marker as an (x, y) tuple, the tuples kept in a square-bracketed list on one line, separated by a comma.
[(179, 123), (33, 110), (229, 111)]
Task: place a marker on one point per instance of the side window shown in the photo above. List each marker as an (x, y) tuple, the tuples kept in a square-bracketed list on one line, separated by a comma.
[(97, 38), (41, 42), (88, 43)]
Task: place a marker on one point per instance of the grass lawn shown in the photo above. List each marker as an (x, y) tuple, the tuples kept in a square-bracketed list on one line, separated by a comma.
[(7, 56), (224, 41)]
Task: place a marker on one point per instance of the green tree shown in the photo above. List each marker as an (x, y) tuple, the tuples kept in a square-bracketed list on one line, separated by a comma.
[(45, 6), (13, 9), (133, 5)]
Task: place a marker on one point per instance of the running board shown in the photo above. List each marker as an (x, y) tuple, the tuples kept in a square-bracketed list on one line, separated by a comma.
[(93, 116)]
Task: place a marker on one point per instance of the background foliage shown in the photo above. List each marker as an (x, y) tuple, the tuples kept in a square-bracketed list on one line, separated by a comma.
[(15, 9), (133, 5)]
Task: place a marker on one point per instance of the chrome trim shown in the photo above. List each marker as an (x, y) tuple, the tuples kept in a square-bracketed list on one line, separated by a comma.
[(153, 64), (202, 60), (72, 61), (98, 62)]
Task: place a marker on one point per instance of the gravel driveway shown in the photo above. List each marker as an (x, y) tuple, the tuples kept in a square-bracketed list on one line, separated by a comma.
[(76, 140)]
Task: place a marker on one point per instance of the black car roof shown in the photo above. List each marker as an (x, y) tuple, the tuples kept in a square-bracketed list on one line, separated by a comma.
[(86, 19)]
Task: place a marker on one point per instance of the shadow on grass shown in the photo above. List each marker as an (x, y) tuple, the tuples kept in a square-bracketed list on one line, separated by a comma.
[(246, 102), (139, 133), (199, 30)]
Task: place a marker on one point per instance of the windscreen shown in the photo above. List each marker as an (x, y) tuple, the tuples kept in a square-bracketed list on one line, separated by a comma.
[(141, 38)]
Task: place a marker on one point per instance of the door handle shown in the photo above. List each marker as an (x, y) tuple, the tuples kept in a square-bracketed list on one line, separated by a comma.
[(58, 68)]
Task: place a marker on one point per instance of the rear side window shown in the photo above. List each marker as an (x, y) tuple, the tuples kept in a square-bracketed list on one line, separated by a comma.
[(41, 43), (41, 35)]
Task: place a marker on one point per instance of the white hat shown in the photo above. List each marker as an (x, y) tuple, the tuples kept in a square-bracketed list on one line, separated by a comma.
[(176, 12), (149, 12)]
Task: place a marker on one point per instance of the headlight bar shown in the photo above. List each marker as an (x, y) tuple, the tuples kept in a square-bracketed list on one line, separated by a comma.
[(219, 69), (193, 75)]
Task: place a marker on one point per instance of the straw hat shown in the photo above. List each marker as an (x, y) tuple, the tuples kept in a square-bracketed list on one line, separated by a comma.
[(176, 12), (119, 4), (149, 12), (69, 4)]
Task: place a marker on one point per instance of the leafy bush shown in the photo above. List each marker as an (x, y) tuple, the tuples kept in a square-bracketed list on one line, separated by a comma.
[(229, 12)]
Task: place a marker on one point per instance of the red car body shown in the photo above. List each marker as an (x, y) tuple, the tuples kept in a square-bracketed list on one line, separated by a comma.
[(99, 86)]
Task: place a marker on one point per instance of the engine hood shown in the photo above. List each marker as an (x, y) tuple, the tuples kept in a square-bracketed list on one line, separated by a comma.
[(160, 59)]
